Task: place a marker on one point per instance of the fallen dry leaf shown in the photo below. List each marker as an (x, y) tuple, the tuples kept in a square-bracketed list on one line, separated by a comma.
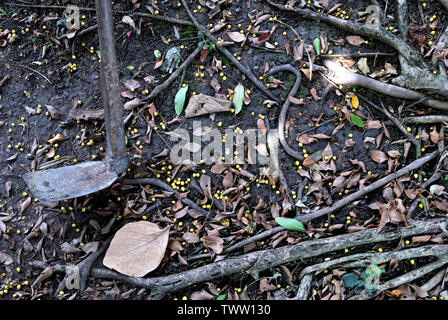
[(393, 212), (441, 205), (355, 40), (203, 104), (137, 248), (131, 104), (25, 204), (85, 113), (436, 189), (378, 156), (58, 137), (236, 36), (214, 242)]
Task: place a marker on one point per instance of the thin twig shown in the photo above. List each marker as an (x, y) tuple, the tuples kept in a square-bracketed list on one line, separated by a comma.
[(137, 14), (172, 77), (230, 56), (159, 183), (397, 123), (30, 69)]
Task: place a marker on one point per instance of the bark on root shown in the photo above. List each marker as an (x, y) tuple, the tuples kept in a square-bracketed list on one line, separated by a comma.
[(258, 261)]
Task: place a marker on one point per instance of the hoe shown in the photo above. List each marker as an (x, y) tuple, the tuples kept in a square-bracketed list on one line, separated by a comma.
[(91, 176)]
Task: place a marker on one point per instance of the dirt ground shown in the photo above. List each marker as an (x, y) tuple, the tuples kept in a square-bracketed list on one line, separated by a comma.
[(43, 86)]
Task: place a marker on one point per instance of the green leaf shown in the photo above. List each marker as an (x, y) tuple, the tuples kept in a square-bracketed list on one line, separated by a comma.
[(350, 280), (130, 68), (425, 204), (363, 66), (238, 98), (357, 120), (179, 100), (98, 53), (157, 54), (221, 297), (290, 224), (4, 12), (316, 44)]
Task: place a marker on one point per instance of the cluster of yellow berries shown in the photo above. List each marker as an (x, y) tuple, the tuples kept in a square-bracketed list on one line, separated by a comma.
[(72, 67), (11, 286), (199, 75), (219, 195), (179, 184), (341, 14), (83, 23), (223, 76), (199, 7)]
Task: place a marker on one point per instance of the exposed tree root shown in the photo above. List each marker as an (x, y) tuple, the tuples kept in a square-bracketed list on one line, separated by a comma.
[(405, 278), (304, 288), (413, 77), (366, 259), (258, 261), (284, 110), (425, 119), (343, 76), (417, 75), (380, 33), (434, 281), (356, 55), (437, 55)]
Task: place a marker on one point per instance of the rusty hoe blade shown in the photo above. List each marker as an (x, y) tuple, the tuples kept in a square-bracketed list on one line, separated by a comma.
[(89, 177)]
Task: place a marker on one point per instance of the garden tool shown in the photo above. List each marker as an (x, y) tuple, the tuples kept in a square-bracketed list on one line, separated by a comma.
[(92, 176)]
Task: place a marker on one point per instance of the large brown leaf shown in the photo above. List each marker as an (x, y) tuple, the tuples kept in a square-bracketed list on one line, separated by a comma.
[(214, 242), (355, 40), (137, 248), (378, 156), (392, 212)]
